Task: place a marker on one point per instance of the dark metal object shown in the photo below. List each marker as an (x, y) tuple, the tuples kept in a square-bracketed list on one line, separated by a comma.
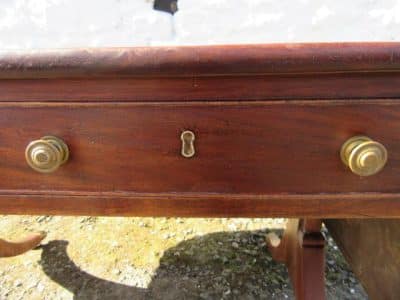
[(169, 6)]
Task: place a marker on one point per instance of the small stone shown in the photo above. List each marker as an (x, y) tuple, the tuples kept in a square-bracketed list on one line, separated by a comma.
[(31, 283), (232, 227), (40, 287), (41, 219), (227, 292), (116, 271), (235, 245), (17, 283)]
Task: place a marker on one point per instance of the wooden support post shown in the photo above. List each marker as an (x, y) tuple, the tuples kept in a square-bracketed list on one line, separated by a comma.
[(372, 249), (302, 250)]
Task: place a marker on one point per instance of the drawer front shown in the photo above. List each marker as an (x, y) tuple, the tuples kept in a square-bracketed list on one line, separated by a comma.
[(242, 148)]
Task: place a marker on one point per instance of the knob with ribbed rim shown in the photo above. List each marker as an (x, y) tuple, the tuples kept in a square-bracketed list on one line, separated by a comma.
[(46, 154), (363, 156)]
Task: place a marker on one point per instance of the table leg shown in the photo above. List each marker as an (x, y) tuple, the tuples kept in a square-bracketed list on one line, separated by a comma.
[(8, 249), (302, 250)]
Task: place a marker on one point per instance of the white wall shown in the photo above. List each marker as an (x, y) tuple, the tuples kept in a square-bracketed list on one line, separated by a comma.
[(83, 23)]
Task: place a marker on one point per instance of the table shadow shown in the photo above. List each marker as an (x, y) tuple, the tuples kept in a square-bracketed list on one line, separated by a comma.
[(222, 265)]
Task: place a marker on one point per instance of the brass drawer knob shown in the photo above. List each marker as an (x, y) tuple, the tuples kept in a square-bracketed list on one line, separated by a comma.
[(363, 156), (46, 154)]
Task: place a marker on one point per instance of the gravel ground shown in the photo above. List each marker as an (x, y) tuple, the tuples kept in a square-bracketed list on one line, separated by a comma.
[(155, 258)]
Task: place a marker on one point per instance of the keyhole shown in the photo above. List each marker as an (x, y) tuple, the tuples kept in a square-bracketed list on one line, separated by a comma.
[(187, 138)]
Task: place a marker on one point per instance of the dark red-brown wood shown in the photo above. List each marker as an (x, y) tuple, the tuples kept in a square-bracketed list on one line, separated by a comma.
[(205, 73), (219, 88), (201, 60), (200, 205), (251, 153), (269, 123), (372, 248), (301, 249), (253, 148)]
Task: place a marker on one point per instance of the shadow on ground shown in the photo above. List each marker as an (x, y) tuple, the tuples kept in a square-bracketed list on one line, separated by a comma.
[(224, 265)]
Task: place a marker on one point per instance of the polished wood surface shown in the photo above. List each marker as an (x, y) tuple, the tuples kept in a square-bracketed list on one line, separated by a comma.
[(354, 205), (269, 122), (201, 60), (203, 73), (372, 248), (218, 88), (244, 148), (301, 249)]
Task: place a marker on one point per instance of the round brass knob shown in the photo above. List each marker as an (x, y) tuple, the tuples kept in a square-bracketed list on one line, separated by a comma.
[(363, 156), (46, 154)]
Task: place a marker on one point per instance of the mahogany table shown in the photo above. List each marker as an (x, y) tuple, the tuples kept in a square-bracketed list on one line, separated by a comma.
[(304, 131)]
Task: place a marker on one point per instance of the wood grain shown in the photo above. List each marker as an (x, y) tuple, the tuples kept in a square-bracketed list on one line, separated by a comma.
[(254, 148), (208, 73), (217, 88), (301, 249), (269, 122), (201, 60), (372, 248), (350, 205)]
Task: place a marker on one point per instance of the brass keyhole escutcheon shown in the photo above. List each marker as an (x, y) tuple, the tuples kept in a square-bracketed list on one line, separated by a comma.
[(46, 154), (363, 156), (187, 138)]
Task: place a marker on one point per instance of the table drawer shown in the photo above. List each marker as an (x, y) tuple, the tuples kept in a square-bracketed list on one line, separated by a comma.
[(241, 148)]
